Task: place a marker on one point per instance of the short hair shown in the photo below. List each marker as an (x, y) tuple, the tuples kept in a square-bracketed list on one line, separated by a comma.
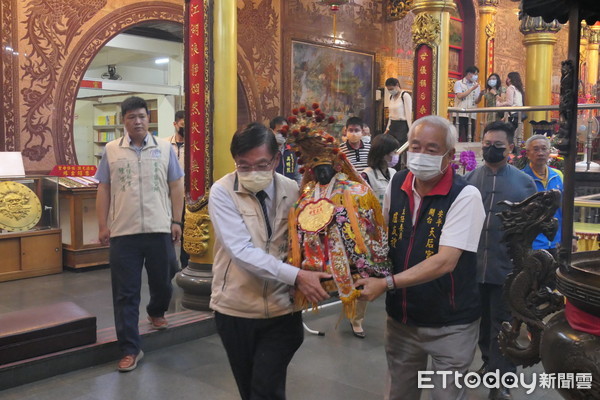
[(381, 145), (537, 137), (471, 70), (133, 103), (354, 121), (392, 82), (179, 115), (252, 136), (500, 126), (279, 120), (437, 121)]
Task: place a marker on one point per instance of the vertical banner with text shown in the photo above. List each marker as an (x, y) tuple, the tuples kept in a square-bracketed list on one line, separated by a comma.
[(424, 81), (198, 164), (490, 56)]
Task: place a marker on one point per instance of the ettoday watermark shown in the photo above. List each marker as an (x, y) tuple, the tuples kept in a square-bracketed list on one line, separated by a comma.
[(510, 380)]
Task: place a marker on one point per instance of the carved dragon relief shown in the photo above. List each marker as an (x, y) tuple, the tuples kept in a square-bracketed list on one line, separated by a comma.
[(51, 26), (565, 118), (526, 288)]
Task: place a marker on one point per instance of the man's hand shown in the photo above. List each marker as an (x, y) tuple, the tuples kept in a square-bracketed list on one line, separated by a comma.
[(372, 288), (309, 283), (175, 233), (104, 235)]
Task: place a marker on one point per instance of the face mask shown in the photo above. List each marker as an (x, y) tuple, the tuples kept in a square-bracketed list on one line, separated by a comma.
[(493, 154), (475, 78), (181, 131), (424, 166), (255, 181), (395, 158), (279, 138), (492, 83), (393, 92)]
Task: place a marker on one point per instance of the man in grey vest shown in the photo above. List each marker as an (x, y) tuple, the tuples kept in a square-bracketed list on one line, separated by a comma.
[(139, 207)]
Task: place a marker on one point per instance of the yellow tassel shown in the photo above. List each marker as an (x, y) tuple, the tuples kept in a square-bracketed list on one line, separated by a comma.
[(295, 257), (348, 203)]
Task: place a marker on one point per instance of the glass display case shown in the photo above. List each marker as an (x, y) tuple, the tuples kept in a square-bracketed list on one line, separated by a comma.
[(30, 237), (586, 224)]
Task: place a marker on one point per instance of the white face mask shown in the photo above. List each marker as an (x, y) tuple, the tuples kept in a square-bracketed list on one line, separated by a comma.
[(395, 158), (475, 78), (424, 166), (394, 92), (255, 181), (492, 83)]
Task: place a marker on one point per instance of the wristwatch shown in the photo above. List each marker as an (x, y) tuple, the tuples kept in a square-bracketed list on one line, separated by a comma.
[(389, 280), (177, 223)]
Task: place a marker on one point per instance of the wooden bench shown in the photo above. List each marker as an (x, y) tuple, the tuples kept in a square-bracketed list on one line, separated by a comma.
[(42, 330)]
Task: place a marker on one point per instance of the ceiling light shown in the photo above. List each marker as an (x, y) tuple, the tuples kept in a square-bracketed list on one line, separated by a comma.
[(161, 61)]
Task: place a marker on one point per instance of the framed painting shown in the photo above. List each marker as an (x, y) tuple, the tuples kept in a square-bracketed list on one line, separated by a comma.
[(340, 80)]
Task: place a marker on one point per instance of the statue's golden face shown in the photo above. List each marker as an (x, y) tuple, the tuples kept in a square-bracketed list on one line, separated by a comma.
[(20, 208), (13, 202)]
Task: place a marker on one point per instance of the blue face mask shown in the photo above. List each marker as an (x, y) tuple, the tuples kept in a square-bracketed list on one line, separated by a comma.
[(394, 161)]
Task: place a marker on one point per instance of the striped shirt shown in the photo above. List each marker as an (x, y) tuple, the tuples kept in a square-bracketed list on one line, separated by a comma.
[(357, 157)]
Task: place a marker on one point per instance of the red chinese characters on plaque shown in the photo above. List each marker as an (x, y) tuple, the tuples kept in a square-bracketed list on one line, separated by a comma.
[(490, 58), (195, 100), (73, 170), (424, 72)]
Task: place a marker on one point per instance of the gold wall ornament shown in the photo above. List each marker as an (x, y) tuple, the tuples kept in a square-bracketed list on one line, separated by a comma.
[(20, 208), (489, 3), (397, 9), (425, 30), (490, 30), (196, 231)]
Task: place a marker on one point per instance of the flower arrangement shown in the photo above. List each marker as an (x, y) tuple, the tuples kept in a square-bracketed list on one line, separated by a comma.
[(466, 160)]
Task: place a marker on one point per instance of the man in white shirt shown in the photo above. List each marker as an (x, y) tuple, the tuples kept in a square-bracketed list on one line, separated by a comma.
[(434, 223), (260, 326), (468, 95)]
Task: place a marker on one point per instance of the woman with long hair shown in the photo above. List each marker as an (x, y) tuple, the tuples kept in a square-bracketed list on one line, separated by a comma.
[(381, 161), (515, 96), (493, 91), (400, 111)]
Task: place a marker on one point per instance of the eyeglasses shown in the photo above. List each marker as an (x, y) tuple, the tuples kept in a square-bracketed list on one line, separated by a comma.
[(255, 167)]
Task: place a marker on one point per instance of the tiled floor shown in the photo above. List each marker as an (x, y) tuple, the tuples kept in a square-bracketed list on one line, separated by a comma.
[(334, 366)]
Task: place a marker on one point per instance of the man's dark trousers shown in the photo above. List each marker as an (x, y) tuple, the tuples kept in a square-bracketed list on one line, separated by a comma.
[(494, 311), (128, 255), (259, 351)]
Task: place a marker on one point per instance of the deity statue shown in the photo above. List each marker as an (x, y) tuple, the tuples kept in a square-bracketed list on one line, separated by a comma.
[(336, 225)]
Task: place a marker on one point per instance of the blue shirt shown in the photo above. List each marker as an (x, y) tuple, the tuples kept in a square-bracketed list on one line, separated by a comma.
[(174, 171)]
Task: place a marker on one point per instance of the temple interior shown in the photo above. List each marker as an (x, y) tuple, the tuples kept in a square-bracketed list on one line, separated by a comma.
[(67, 66)]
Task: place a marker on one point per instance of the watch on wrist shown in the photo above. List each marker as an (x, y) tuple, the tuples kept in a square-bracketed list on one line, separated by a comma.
[(177, 223), (389, 280)]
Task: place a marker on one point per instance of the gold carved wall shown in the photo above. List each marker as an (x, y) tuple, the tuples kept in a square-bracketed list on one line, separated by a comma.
[(510, 51), (51, 44), (259, 56)]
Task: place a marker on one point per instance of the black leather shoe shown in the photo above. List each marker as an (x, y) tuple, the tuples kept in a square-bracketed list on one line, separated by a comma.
[(482, 370), (500, 394), (360, 335)]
